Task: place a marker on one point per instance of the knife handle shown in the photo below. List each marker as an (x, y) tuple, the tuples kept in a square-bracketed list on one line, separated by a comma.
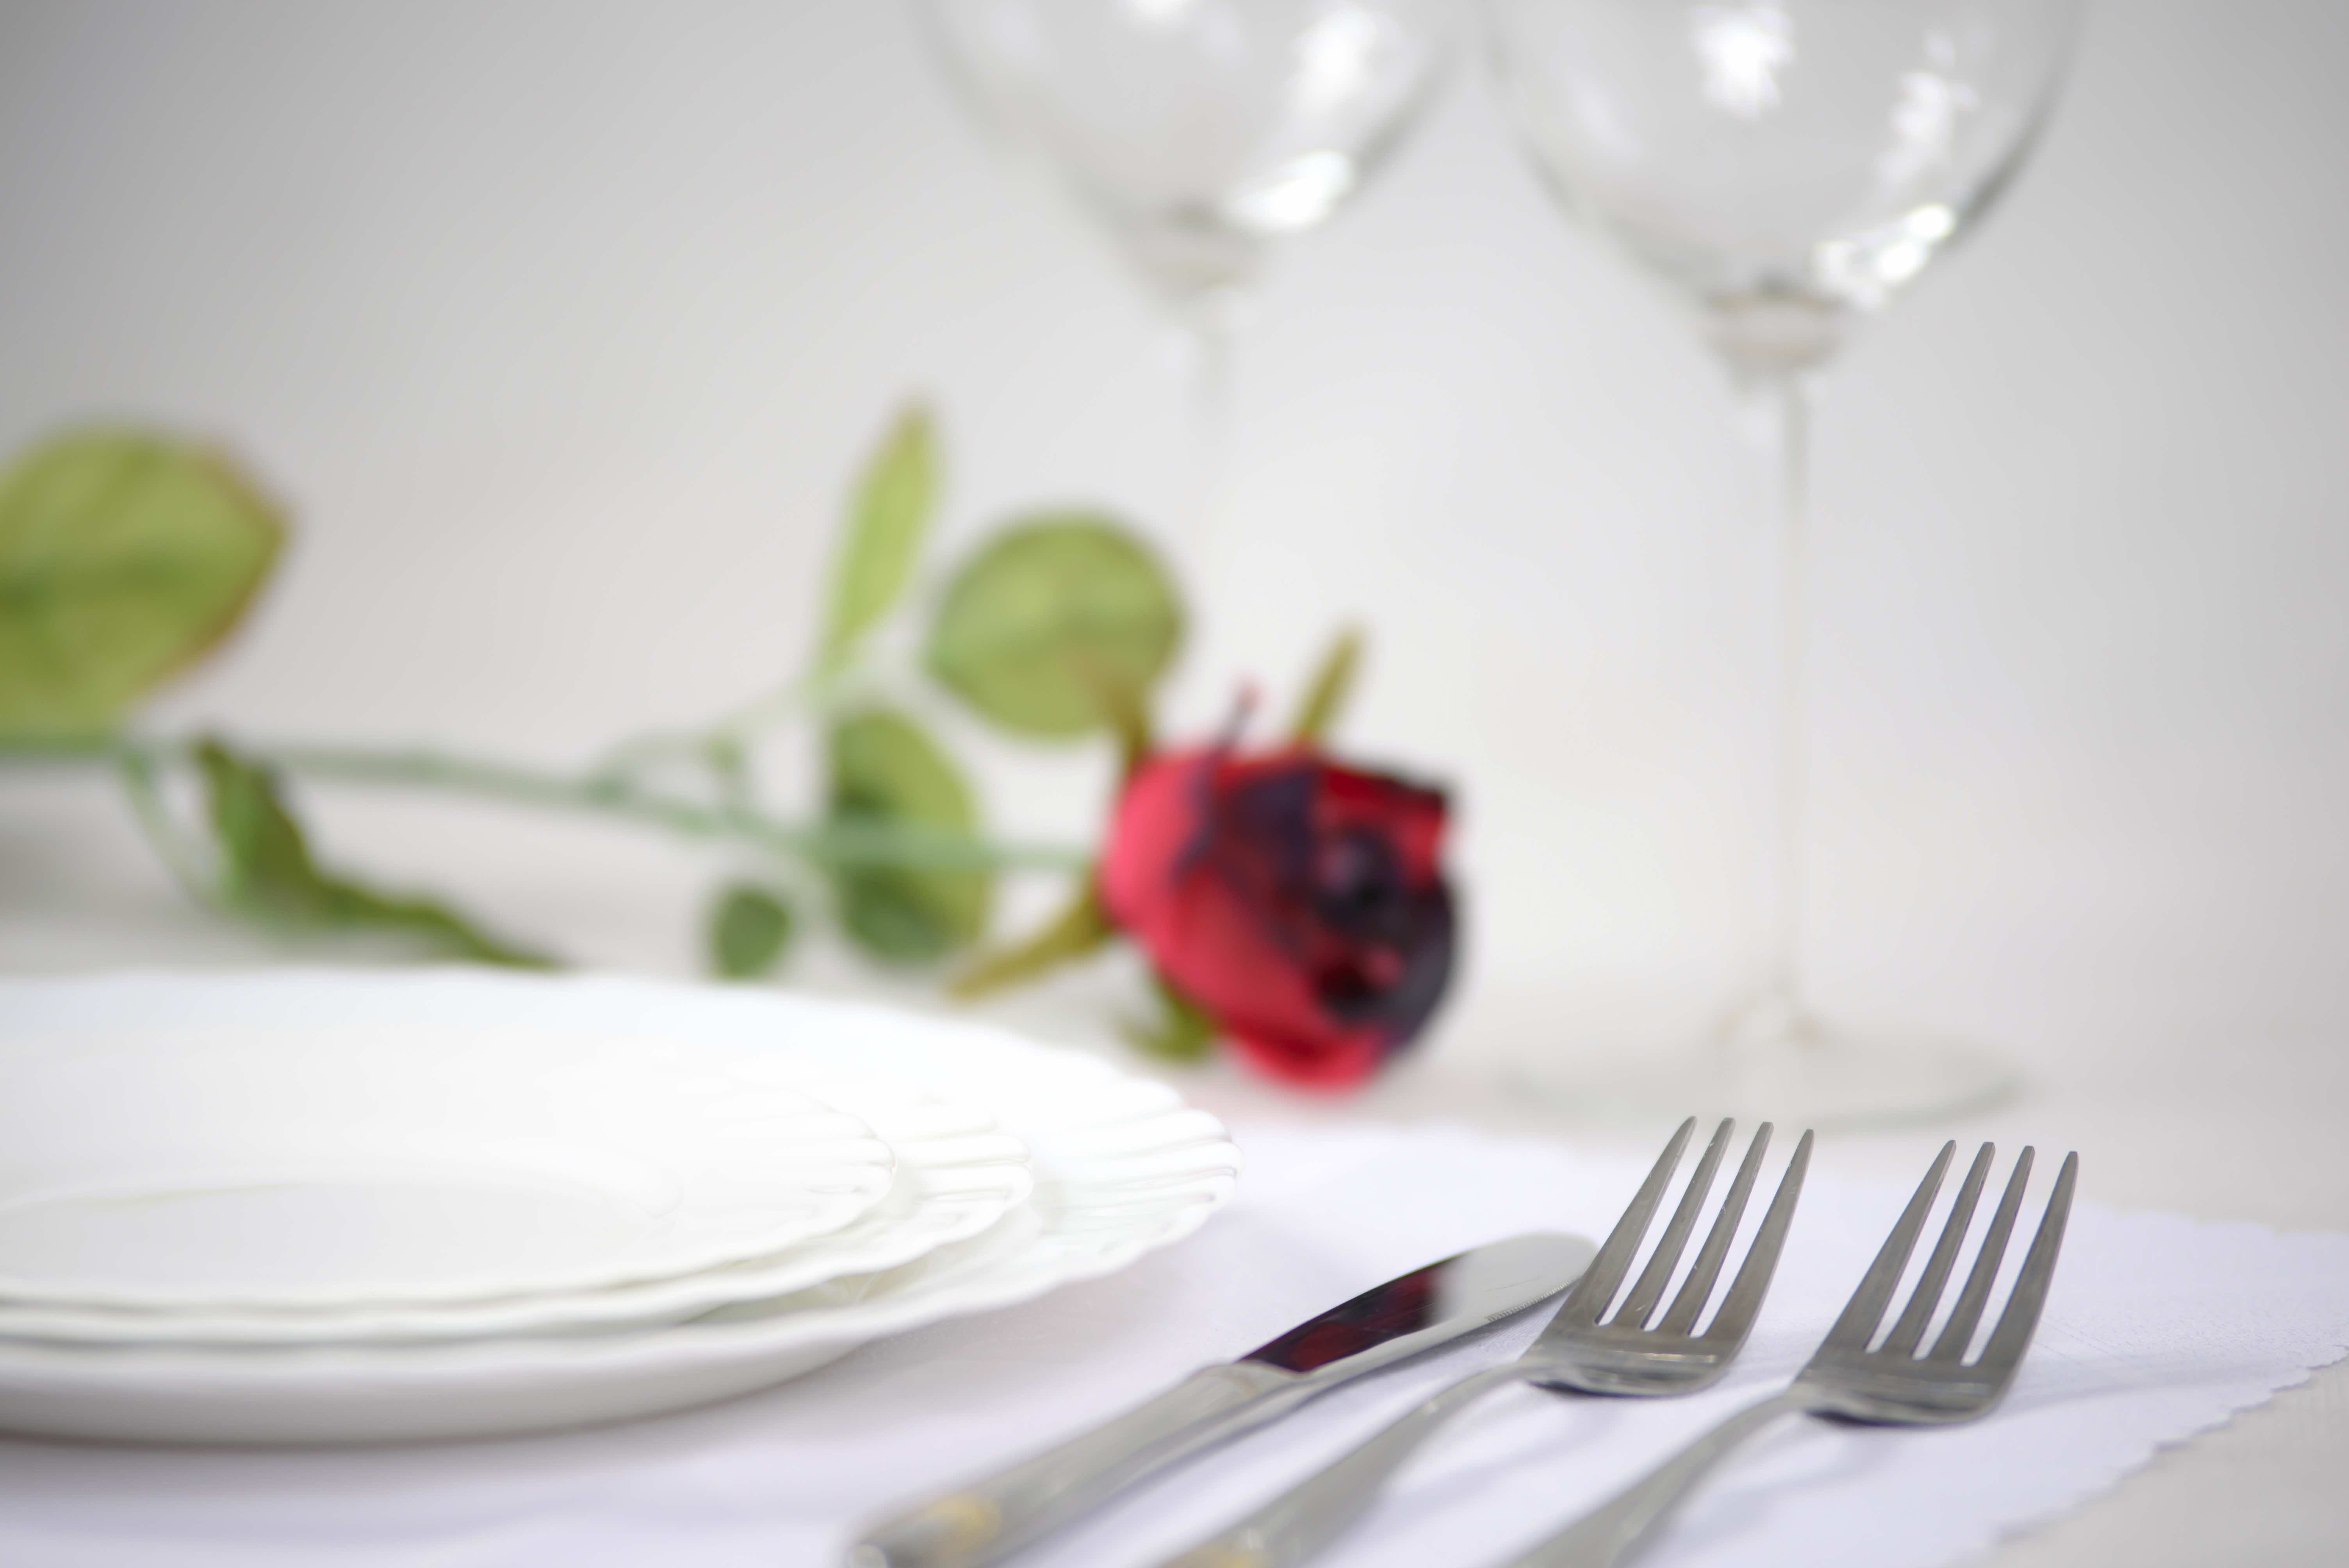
[(999, 1513)]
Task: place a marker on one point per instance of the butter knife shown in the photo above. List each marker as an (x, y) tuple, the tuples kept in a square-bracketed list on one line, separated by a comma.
[(1000, 1513)]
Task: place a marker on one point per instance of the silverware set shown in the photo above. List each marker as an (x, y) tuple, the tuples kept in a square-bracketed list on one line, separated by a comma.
[(1855, 1375)]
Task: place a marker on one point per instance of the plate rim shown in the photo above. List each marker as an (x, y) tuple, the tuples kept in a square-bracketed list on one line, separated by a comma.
[(857, 1151), (971, 1149)]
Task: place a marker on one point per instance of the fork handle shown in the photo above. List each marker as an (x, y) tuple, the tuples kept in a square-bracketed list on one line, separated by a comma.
[(1301, 1521), (1612, 1531)]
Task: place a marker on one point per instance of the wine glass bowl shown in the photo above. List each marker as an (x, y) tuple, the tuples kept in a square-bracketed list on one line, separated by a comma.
[(1783, 165), (1200, 131)]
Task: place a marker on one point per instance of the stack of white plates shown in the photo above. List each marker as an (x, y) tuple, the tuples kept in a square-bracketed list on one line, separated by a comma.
[(312, 1206)]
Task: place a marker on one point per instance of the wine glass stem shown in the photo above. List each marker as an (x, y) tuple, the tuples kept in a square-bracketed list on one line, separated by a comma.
[(1207, 341), (1207, 371), (1789, 402)]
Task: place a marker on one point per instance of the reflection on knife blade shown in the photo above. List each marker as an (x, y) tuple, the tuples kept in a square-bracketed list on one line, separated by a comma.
[(1483, 1286)]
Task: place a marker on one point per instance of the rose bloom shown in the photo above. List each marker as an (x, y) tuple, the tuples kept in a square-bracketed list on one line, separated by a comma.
[(1299, 903)]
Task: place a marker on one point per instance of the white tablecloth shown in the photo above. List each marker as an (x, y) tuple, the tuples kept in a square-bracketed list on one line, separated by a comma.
[(2158, 1327)]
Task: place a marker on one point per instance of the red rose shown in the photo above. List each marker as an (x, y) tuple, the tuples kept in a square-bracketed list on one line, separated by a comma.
[(1299, 903)]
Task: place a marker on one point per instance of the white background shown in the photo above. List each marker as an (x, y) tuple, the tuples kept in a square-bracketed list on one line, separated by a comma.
[(561, 328)]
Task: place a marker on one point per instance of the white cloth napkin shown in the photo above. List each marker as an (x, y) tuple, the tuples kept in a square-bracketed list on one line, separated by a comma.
[(2157, 1327)]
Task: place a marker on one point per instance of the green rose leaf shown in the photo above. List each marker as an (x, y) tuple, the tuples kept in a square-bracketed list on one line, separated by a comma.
[(268, 875), (886, 772), (1057, 625), (1081, 928), (125, 556), (890, 514), (1333, 684), (1183, 1031), (749, 927)]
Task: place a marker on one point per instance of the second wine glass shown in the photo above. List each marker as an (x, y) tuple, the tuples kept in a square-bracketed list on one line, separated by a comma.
[(1786, 167)]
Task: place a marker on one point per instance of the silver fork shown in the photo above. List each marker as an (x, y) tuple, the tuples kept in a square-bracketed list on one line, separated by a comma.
[(1576, 1351), (1891, 1384)]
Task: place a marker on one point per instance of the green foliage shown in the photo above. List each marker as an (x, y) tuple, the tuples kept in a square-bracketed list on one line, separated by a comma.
[(1183, 1031), (884, 770), (124, 557), (1081, 928), (749, 930), (885, 527), (268, 874), (1056, 625), (1333, 683)]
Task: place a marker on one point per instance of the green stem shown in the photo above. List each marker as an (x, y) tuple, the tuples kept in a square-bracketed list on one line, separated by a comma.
[(738, 727), (180, 858), (826, 843)]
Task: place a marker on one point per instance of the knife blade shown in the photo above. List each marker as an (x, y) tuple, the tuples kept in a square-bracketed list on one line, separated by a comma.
[(997, 1514)]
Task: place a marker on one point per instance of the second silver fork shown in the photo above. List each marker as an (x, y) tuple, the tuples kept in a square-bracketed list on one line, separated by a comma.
[(1622, 1356)]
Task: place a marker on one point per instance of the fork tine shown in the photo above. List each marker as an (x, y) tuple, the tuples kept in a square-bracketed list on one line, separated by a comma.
[(1853, 1330), (1699, 1284), (1596, 1288), (2008, 1340), (1910, 1328), (1959, 1332), (1745, 1297), (1649, 1288)]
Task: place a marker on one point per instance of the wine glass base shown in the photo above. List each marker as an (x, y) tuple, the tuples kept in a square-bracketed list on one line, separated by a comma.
[(1820, 1076)]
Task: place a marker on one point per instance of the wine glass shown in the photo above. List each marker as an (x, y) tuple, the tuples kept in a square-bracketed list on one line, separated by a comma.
[(1198, 133), (1786, 167)]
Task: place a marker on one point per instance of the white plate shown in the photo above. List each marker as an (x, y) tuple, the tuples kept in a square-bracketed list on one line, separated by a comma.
[(1121, 1165), (181, 1165), (956, 1173)]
